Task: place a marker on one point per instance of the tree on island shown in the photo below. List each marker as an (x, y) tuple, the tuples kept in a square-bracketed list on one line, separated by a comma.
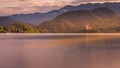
[(2, 29), (21, 28)]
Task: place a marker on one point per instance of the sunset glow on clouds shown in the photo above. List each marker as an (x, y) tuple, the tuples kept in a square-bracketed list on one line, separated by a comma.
[(8, 7)]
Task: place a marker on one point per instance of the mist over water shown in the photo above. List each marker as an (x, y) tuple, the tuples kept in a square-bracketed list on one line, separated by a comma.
[(59, 51)]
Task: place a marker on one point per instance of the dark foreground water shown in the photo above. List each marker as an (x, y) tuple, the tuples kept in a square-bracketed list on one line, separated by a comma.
[(59, 51)]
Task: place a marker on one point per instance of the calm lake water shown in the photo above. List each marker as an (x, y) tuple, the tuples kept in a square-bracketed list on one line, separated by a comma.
[(59, 51)]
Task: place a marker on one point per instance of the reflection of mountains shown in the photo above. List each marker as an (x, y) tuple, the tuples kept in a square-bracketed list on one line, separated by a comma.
[(85, 40), (53, 40)]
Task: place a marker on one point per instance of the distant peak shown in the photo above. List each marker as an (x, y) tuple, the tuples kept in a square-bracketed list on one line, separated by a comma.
[(68, 6)]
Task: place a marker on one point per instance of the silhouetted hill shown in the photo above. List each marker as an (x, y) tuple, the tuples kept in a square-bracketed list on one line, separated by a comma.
[(6, 21), (37, 18), (102, 19)]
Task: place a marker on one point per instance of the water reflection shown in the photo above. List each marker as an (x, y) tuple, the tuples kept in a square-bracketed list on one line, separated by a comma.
[(59, 51)]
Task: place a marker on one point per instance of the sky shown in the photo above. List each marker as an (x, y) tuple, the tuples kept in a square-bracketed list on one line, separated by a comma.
[(9, 7)]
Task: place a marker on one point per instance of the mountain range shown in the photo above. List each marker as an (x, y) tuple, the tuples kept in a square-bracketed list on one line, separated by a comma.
[(69, 19), (100, 19), (38, 18)]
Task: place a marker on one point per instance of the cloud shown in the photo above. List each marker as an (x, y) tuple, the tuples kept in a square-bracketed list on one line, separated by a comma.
[(26, 10), (92, 1), (8, 7)]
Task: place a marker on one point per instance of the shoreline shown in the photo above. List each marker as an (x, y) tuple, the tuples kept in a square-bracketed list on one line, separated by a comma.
[(59, 33)]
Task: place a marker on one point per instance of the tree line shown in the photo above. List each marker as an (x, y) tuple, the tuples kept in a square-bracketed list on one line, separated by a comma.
[(18, 28)]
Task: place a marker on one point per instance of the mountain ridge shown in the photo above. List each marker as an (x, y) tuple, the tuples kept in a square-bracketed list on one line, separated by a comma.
[(75, 21), (38, 18)]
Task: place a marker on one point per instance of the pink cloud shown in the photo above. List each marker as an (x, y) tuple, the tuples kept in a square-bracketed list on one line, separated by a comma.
[(92, 1), (8, 7)]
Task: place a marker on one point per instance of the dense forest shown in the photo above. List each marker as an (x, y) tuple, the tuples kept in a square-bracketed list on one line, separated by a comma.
[(81, 21), (18, 28)]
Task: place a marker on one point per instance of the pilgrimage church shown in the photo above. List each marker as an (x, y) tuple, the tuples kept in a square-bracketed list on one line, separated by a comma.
[(88, 27)]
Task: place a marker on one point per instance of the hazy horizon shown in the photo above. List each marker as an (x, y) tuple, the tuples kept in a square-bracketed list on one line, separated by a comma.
[(9, 7)]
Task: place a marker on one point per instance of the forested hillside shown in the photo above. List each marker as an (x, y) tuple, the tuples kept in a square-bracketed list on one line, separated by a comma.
[(99, 19)]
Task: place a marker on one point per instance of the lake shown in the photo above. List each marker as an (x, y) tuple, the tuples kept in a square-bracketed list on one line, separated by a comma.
[(60, 50)]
